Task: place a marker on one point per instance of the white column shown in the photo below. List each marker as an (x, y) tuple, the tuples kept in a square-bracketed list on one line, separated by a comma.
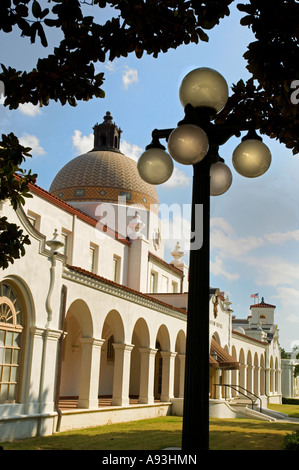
[(268, 378), (226, 392), (147, 375), (40, 393), (167, 391), (121, 377), (243, 383), (228, 378), (182, 374), (218, 391), (249, 378), (90, 372), (257, 377)]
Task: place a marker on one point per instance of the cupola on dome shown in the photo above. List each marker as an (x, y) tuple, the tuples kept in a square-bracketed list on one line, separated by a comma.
[(104, 174)]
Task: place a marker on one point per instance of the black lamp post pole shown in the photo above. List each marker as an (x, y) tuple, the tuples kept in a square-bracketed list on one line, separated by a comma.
[(195, 436)]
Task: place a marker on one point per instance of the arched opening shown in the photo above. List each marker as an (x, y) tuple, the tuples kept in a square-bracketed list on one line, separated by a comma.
[(103, 140), (141, 341), (71, 359), (162, 345), (77, 325), (110, 349), (12, 322), (112, 332)]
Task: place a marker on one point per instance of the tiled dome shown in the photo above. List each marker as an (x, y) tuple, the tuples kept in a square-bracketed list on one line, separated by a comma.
[(104, 174)]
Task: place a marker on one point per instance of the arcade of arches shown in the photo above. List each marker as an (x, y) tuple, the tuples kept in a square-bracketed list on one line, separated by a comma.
[(144, 368), (122, 370)]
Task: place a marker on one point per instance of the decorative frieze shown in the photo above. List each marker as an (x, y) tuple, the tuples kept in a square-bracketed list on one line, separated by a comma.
[(124, 293)]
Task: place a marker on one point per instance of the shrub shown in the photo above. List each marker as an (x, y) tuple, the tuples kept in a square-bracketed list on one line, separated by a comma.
[(290, 401), (291, 441)]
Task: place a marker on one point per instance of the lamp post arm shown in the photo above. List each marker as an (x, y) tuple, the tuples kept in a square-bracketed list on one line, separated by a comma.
[(217, 133), (161, 133), (158, 134)]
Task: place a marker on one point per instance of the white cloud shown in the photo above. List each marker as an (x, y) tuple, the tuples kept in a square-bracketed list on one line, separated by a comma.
[(111, 66), (279, 238), (129, 77), (223, 224), (130, 150), (268, 270), (223, 238), (289, 297), (217, 269), (274, 271), (33, 142), (82, 143), (177, 179), (29, 109)]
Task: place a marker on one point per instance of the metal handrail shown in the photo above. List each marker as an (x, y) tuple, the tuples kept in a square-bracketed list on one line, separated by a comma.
[(237, 389)]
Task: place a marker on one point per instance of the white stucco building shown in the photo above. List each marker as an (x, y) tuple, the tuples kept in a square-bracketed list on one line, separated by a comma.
[(290, 383), (94, 331)]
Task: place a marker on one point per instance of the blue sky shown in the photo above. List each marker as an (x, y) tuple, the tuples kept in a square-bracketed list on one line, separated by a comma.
[(254, 226)]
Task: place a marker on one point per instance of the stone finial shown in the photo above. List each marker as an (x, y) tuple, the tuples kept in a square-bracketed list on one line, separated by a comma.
[(177, 254), (135, 227), (227, 303), (55, 244)]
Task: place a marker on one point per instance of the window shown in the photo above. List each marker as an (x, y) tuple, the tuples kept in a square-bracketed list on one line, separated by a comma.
[(164, 284), (34, 219), (103, 140), (93, 258), (116, 268), (92, 253), (66, 238), (153, 282), (174, 287), (10, 343)]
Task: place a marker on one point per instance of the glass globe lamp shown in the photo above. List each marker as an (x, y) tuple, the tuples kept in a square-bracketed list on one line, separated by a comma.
[(204, 87), (155, 166), (251, 158), (220, 178), (188, 144)]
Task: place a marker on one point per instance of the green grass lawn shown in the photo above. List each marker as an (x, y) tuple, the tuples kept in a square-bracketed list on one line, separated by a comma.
[(291, 410), (158, 433), (246, 434), (151, 434)]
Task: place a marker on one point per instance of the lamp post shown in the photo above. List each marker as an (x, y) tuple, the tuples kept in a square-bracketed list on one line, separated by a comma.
[(196, 141)]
